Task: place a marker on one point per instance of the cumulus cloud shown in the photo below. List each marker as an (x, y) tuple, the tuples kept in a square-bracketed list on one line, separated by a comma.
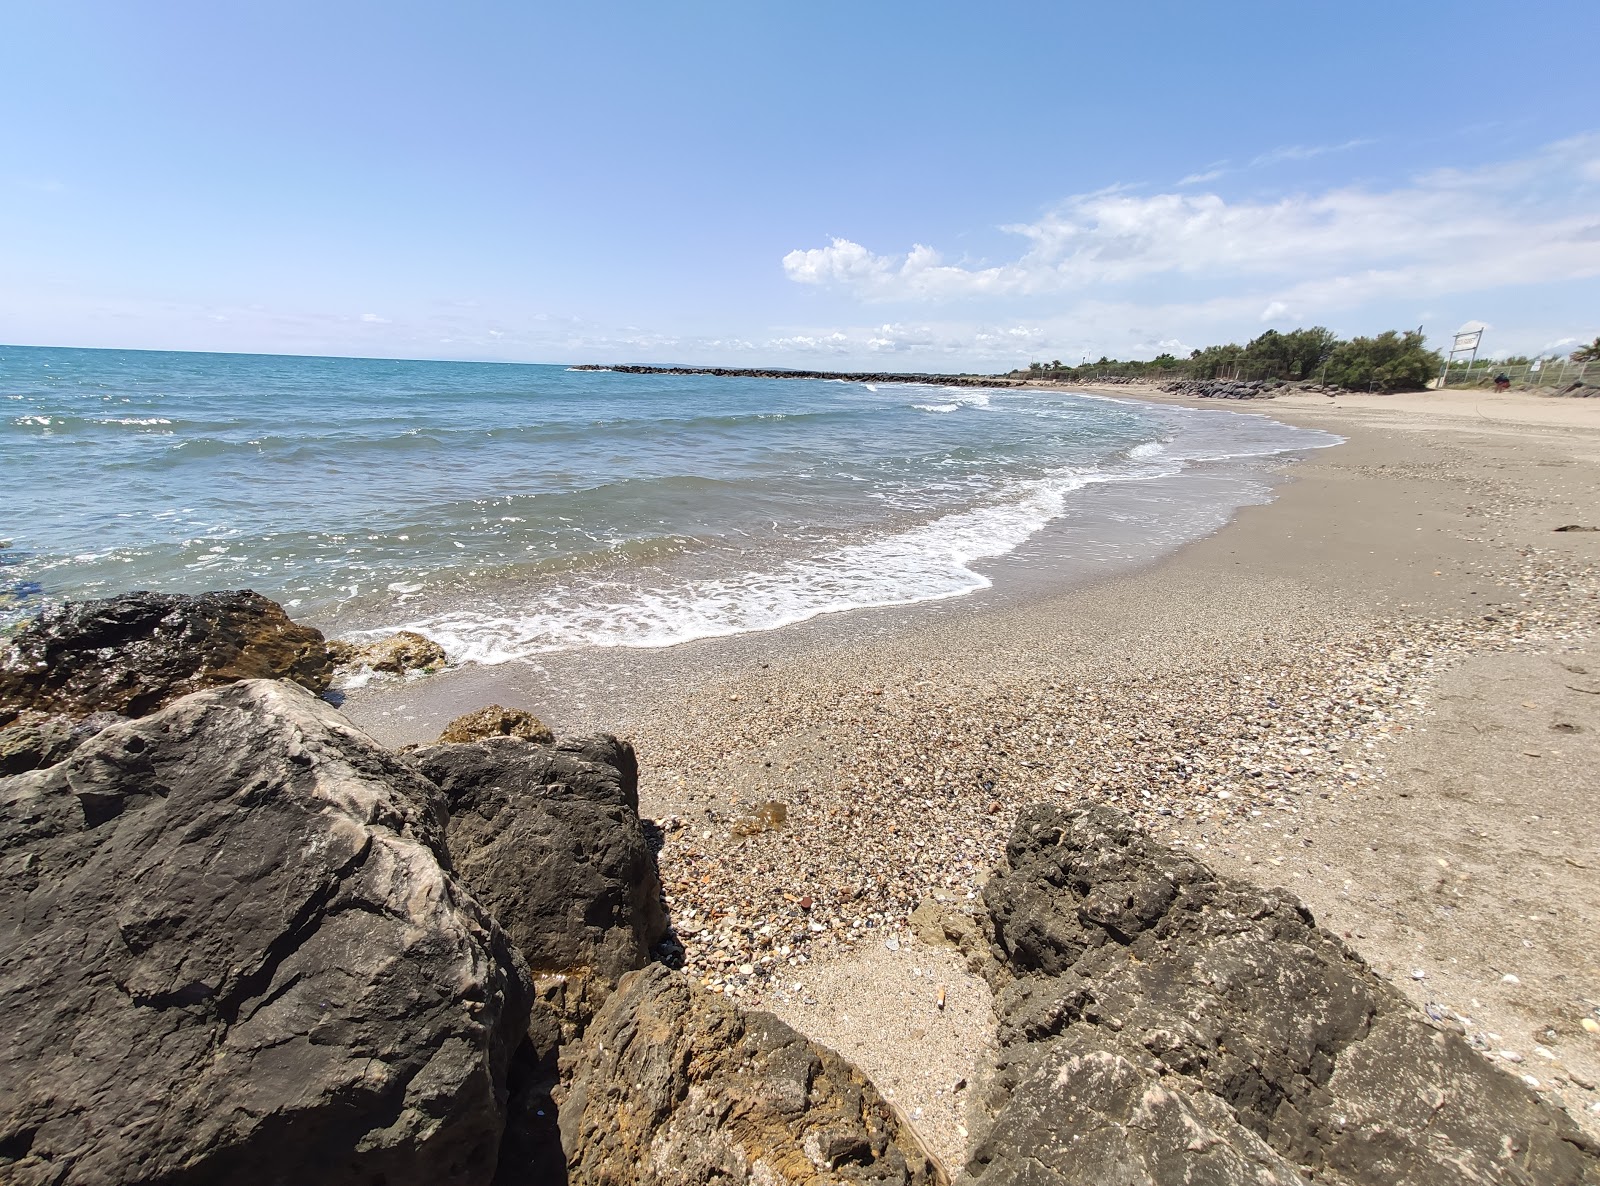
[(1525, 221)]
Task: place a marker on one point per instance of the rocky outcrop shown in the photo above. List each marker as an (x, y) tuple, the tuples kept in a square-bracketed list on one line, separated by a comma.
[(551, 839), (675, 1085), (403, 651), (134, 653), (232, 950), (495, 721), (1160, 1024)]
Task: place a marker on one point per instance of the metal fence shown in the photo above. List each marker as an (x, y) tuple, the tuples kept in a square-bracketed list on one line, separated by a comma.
[(1555, 374)]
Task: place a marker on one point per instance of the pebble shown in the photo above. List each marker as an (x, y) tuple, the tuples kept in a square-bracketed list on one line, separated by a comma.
[(896, 789)]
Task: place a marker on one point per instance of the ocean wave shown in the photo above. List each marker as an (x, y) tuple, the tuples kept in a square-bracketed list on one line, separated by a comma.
[(929, 562)]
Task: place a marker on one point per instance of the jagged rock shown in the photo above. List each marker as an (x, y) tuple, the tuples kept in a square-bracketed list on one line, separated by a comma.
[(401, 652), (1160, 1024), (232, 950), (133, 653), (496, 721), (675, 1085), (550, 839), (34, 740)]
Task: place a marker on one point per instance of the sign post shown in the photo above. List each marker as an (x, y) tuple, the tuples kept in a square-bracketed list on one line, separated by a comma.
[(1464, 344)]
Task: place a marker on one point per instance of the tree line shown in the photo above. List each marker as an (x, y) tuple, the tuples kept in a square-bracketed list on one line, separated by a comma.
[(1395, 360)]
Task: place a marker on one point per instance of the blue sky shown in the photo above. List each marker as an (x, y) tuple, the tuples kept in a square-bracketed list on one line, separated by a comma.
[(886, 185)]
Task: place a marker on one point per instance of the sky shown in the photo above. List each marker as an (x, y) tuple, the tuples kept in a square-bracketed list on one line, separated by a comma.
[(866, 185)]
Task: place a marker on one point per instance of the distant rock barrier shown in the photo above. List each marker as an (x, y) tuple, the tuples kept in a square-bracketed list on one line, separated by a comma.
[(843, 376), (1243, 388)]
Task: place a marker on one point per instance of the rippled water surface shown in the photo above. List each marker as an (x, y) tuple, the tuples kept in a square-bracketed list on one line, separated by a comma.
[(510, 510)]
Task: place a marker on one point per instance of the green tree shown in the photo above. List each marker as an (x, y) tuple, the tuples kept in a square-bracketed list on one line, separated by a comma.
[(1389, 362), (1589, 353)]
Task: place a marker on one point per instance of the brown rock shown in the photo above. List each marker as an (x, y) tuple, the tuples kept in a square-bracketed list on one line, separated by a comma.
[(496, 721), (399, 653), (134, 653), (675, 1085)]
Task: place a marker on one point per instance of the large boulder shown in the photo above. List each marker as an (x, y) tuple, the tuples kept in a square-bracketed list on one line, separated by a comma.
[(674, 1085), (232, 950), (1161, 1024), (549, 837), (133, 653)]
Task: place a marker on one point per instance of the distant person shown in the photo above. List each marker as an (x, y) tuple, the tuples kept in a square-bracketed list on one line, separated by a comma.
[(1502, 382)]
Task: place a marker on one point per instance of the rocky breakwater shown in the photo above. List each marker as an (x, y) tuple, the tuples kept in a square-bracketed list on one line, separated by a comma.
[(1243, 388), (844, 376), (241, 942), (1223, 388), (1161, 1024)]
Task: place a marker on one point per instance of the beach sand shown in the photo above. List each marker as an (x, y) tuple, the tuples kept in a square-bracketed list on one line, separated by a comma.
[(1379, 691)]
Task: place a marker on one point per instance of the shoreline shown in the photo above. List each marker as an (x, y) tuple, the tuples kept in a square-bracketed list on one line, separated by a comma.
[(1276, 695)]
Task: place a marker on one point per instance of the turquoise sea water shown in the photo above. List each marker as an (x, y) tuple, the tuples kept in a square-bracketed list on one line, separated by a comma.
[(510, 510)]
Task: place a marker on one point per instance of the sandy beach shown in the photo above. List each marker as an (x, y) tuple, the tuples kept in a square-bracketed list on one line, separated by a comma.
[(1377, 690)]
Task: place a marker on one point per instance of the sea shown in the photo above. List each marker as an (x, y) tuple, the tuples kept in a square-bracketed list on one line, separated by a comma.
[(510, 511)]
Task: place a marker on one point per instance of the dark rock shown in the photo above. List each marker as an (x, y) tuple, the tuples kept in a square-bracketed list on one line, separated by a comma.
[(847, 376), (496, 721), (673, 1084), (1159, 1023), (133, 653), (34, 740), (550, 839), (232, 950)]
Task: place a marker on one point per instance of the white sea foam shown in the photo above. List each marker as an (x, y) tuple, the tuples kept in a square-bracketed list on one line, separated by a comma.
[(1147, 450), (929, 562), (963, 399)]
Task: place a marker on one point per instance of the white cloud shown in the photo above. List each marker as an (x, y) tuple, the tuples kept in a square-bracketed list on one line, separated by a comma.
[(374, 319), (1274, 156), (1303, 152), (1277, 311), (1519, 222)]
